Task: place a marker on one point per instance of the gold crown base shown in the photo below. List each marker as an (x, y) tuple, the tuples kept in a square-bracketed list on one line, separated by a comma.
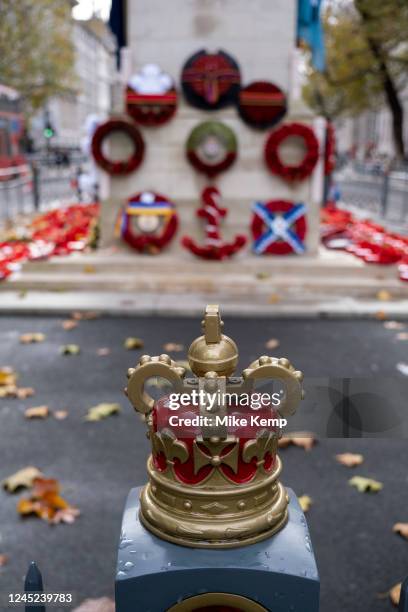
[(220, 517)]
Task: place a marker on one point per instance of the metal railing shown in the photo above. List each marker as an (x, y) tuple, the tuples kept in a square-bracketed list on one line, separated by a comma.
[(32, 187), (383, 195)]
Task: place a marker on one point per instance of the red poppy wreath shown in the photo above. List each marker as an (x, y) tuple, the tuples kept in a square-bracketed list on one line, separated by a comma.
[(299, 171), (119, 167)]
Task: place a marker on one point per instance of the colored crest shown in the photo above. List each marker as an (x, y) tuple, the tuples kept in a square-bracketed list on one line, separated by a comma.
[(279, 227), (148, 222), (151, 97), (210, 80)]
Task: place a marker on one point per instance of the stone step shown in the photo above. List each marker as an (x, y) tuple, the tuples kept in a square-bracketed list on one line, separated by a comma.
[(123, 263), (294, 286)]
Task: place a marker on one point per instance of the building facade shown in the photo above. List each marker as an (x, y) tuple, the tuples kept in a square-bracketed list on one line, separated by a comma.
[(91, 91)]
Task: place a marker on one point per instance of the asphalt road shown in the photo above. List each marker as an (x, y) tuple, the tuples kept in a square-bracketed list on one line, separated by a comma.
[(97, 463)]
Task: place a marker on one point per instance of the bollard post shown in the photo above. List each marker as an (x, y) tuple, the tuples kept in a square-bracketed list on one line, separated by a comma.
[(36, 185), (34, 584)]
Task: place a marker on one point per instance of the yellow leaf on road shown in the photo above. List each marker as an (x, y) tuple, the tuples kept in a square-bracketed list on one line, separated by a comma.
[(69, 324), (32, 338), (102, 411), (3, 560), (103, 604), (402, 529), (70, 349), (133, 344), (350, 459), (60, 415), (366, 485), (22, 478), (272, 343), (305, 502), (173, 347), (395, 593), (7, 376), (304, 439), (37, 412)]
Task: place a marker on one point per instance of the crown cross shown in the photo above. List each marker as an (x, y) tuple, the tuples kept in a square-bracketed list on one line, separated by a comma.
[(217, 454)]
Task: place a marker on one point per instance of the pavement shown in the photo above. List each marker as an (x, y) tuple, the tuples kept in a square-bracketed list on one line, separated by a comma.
[(97, 463)]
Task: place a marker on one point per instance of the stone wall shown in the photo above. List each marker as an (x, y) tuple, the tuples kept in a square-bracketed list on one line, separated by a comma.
[(260, 35)]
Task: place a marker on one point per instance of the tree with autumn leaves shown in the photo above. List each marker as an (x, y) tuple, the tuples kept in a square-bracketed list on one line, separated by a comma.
[(36, 50), (366, 62)]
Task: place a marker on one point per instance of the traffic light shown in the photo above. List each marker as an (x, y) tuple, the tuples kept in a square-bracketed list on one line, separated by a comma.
[(48, 131)]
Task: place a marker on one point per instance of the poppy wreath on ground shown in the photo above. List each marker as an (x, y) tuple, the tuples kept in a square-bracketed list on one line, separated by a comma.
[(151, 97), (211, 147), (214, 247), (210, 80), (148, 222), (261, 104), (106, 129), (273, 160), (279, 227), (330, 151)]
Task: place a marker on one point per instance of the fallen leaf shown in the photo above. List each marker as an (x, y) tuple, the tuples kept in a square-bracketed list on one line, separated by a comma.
[(272, 343), (32, 338), (274, 298), (303, 439), (89, 269), (22, 478), (7, 376), (65, 515), (103, 351), (403, 368), (3, 560), (173, 347), (350, 459), (402, 336), (70, 349), (262, 275), (380, 315), (69, 324), (383, 295), (365, 485), (132, 344), (395, 593), (60, 415), (46, 502), (394, 325), (305, 502), (402, 529), (37, 412), (85, 316), (104, 604), (24, 392), (16, 392), (102, 411)]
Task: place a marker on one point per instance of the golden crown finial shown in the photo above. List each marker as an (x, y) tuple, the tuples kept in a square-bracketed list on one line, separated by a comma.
[(213, 485), (213, 352)]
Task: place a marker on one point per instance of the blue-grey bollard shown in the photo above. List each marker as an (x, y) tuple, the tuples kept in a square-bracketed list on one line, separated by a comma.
[(403, 604), (34, 584), (278, 574)]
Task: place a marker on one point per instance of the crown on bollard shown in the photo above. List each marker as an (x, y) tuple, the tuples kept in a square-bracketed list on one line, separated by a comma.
[(214, 479)]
